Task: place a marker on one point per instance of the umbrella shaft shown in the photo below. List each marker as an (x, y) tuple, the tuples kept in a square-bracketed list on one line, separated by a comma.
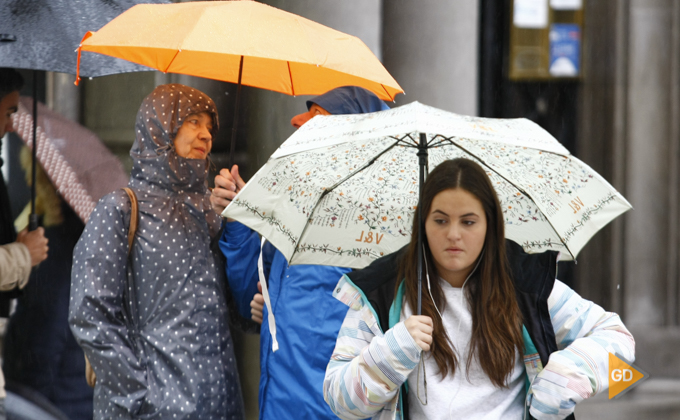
[(422, 163), (235, 125), (33, 220)]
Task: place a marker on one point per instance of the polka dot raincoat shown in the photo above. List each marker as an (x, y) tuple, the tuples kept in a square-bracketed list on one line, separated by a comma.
[(155, 324)]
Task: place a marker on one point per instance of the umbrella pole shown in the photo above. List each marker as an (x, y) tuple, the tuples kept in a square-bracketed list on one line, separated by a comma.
[(422, 164), (33, 218), (234, 126)]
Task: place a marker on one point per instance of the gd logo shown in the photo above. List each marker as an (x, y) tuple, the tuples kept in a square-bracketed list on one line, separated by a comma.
[(625, 375), (622, 376)]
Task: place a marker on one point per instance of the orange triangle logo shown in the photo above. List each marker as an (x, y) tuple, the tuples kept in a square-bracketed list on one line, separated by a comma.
[(622, 376)]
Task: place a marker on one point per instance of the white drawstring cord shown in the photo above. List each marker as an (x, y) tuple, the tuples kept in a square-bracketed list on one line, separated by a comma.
[(422, 357), (265, 294)]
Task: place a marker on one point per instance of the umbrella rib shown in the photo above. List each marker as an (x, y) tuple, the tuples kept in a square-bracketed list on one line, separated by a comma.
[(386, 92), (173, 59), (331, 188), (441, 140), (403, 140), (518, 188), (290, 74)]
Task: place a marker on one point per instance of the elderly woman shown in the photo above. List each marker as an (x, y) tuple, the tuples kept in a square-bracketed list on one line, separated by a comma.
[(153, 319)]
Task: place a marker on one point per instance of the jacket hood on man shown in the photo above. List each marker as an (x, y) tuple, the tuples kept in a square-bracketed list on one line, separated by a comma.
[(348, 100)]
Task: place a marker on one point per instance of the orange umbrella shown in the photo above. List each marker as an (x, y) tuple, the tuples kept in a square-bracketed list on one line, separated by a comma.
[(242, 42), (279, 51)]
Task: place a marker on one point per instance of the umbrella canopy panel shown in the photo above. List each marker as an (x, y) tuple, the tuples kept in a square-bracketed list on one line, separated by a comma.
[(81, 168), (350, 202), (44, 34), (282, 52)]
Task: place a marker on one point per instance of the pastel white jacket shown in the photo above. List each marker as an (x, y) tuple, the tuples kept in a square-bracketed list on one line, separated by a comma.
[(368, 366)]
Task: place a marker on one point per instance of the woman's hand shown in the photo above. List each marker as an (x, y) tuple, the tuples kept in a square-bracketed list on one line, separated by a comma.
[(227, 185), (420, 327), (257, 305)]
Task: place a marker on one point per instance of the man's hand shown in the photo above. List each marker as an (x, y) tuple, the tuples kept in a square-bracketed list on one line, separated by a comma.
[(420, 327), (257, 305), (227, 185), (36, 242)]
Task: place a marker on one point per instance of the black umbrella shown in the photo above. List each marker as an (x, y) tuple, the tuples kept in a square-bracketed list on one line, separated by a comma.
[(44, 35)]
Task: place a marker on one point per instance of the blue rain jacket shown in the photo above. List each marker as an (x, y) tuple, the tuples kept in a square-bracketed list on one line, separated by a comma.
[(307, 324), (155, 326), (307, 316)]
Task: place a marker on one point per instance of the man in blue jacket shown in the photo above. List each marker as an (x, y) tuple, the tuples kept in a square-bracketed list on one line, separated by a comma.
[(308, 318)]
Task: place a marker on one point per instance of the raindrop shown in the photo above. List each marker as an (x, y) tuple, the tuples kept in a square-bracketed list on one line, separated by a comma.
[(618, 286)]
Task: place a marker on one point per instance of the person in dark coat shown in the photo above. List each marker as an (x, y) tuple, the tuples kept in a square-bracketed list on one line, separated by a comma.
[(154, 324), (39, 351), (18, 253)]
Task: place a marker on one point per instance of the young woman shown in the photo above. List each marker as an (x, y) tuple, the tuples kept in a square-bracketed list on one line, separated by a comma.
[(499, 337), (153, 319)]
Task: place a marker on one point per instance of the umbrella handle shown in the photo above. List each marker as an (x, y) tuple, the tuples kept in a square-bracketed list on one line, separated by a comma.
[(33, 222)]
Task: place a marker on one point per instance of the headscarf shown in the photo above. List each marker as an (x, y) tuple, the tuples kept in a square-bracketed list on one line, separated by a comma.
[(349, 100), (159, 118)]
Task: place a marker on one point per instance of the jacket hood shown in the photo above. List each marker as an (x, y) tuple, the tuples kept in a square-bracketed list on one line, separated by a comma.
[(349, 100), (160, 116)]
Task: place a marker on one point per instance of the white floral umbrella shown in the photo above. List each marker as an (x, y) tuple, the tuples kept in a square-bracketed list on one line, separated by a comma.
[(342, 190)]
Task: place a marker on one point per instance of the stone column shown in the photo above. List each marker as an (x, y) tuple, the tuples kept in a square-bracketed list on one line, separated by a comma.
[(62, 95), (630, 133), (110, 105), (431, 49), (601, 143), (649, 123), (673, 278)]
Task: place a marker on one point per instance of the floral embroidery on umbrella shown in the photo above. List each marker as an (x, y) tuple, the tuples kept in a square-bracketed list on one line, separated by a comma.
[(349, 191)]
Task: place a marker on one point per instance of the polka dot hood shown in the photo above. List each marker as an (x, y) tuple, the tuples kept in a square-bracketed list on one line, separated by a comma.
[(153, 153)]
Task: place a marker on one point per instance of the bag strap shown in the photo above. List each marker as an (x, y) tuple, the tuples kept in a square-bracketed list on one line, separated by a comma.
[(134, 218), (90, 374), (132, 230)]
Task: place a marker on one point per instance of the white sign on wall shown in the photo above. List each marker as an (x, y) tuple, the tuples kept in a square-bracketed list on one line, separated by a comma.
[(530, 14), (566, 4)]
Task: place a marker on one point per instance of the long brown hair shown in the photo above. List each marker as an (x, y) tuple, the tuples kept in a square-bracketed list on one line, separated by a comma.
[(490, 292)]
